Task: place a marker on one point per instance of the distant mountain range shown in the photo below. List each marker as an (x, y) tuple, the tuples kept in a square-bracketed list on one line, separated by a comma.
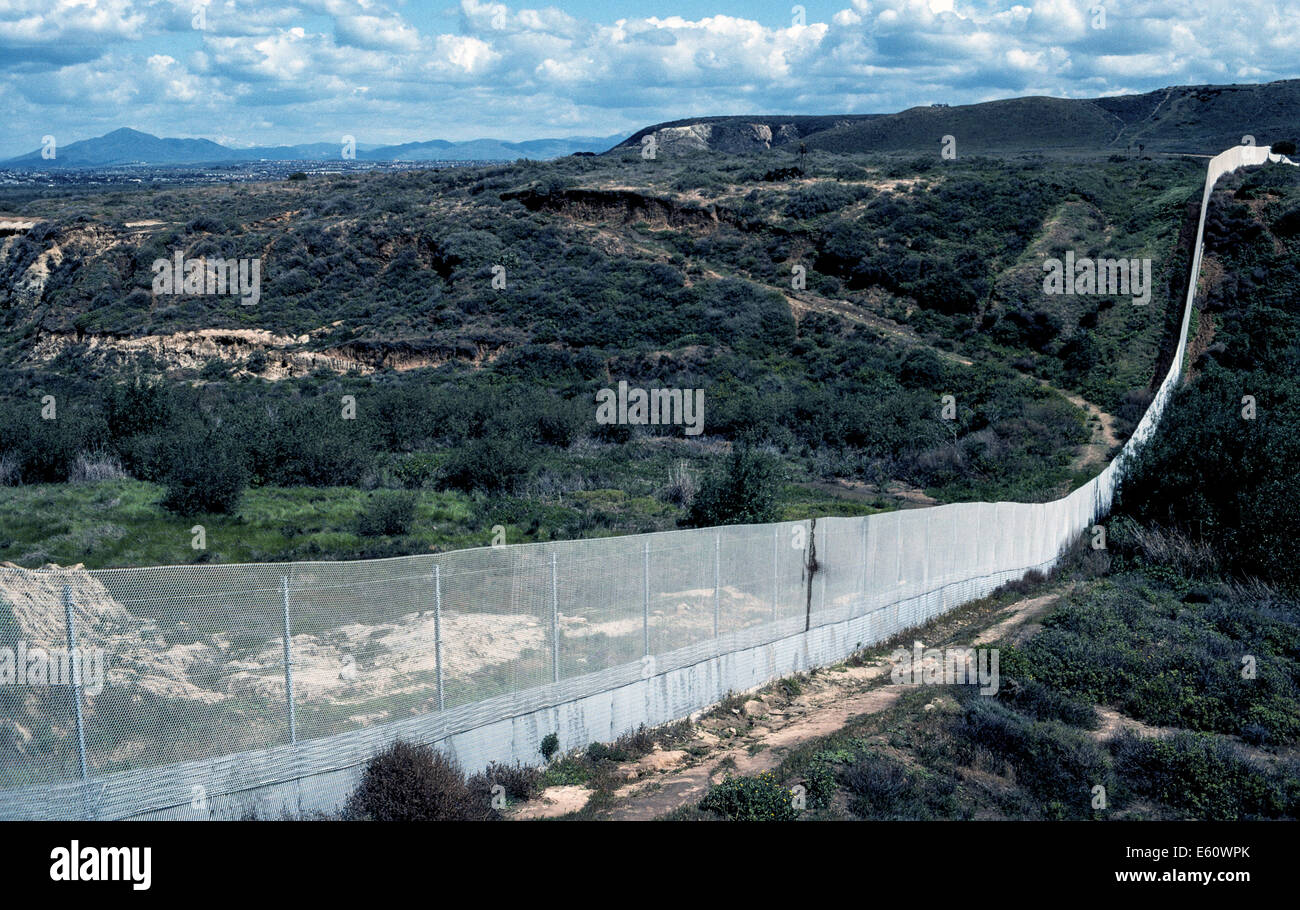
[(1191, 119), (1196, 119), (129, 147)]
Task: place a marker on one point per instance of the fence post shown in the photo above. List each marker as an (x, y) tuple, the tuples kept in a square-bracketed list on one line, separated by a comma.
[(437, 631), (776, 567), (288, 661), (555, 620), (866, 558), (955, 575), (898, 551), (717, 580), (75, 664), (645, 598)]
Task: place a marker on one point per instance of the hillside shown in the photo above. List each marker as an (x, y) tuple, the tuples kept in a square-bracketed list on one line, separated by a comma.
[(474, 401), (1200, 120)]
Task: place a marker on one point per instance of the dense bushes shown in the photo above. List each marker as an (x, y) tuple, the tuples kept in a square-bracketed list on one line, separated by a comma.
[(387, 513), (490, 466), (577, 314), (884, 790), (410, 782), (413, 782), (1221, 468), (751, 799), (1250, 510), (1206, 778), (1051, 760), (1167, 655), (939, 247), (821, 198)]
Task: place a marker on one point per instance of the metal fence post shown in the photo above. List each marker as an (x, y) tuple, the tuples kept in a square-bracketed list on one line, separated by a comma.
[(776, 567), (555, 620), (288, 661), (645, 599), (437, 631), (954, 572), (898, 552), (866, 558), (75, 666), (717, 580), (821, 567)]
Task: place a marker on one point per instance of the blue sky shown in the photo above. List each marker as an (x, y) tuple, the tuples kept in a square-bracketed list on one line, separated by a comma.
[(385, 71)]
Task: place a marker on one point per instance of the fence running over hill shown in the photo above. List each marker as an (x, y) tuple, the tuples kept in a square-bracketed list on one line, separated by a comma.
[(211, 671)]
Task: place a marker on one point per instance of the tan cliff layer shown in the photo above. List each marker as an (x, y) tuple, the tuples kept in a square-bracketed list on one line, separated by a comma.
[(192, 350)]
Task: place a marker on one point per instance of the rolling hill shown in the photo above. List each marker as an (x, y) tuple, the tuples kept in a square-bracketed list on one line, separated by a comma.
[(1182, 119)]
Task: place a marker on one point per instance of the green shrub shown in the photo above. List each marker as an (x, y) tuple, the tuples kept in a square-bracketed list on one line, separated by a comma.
[(487, 465), (519, 782), (602, 752), (1202, 775), (1042, 703), (1051, 760), (413, 782), (884, 789), (204, 475), (744, 492), (550, 745), (639, 742), (568, 771), (819, 784), (751, 799), (387, 512)]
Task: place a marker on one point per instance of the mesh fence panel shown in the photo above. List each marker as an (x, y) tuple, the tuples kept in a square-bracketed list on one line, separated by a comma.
[(601, 593), (363, 643), (36, 722), (194, 660), (499, 623)]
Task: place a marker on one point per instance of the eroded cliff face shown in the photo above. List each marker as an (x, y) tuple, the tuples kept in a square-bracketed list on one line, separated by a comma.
[(723, 137), (621, 206), (250, 352), (29, 258), (48, 324)]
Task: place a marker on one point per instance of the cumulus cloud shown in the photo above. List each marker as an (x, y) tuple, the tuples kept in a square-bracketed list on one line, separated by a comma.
[(523, 71), (377, 33)]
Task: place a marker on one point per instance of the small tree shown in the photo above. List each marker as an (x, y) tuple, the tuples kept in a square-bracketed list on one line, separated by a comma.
[(489, 465), (206, 474), (744, 492)]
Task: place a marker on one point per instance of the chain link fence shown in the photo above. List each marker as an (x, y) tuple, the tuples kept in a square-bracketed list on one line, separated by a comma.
[(203, 662)]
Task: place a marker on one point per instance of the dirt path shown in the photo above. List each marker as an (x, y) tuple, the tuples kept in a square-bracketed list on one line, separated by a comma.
[(1113, 724), (757, 734), (1102, 425), (1104, 438), (645, 801), (1020, 622)]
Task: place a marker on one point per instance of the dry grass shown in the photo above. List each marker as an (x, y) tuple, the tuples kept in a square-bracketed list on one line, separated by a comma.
[(94, 467)]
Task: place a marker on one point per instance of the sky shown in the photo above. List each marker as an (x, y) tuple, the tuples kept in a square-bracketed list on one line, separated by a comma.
[(389, 71)]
